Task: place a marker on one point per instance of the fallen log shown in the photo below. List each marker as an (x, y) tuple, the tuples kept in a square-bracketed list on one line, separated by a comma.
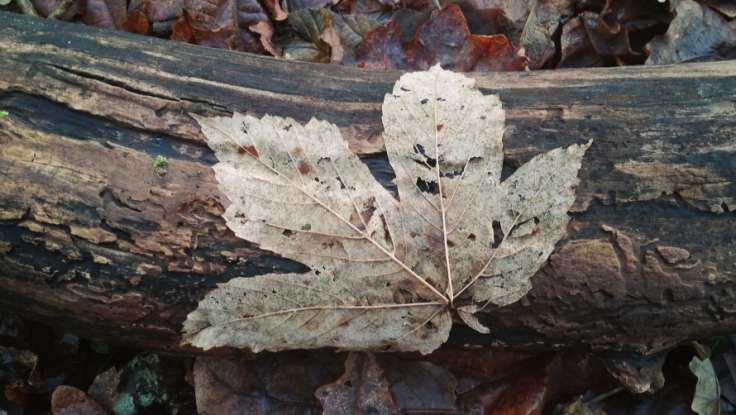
[(95, 239)]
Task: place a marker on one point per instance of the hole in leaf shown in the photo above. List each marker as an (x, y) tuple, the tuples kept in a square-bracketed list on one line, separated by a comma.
[(287, 232), (497, 234), (428, 187), (342, 185), (423, 157), (471, 237)]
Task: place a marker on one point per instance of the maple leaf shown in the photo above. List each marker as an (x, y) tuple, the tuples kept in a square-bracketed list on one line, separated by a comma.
[(385, 274)]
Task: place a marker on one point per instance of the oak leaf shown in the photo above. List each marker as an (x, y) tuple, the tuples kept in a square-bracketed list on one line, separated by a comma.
[(386, 274)]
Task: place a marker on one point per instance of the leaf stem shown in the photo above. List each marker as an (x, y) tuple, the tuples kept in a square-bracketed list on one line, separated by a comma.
[(442, 199)]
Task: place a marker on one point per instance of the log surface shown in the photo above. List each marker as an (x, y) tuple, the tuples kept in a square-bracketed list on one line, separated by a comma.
[(92, 239)]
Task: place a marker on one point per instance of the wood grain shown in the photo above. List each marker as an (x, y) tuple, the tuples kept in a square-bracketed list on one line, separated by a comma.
[(93, 239)]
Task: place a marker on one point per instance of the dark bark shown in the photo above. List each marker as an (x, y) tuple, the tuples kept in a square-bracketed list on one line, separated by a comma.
[(93, 239)]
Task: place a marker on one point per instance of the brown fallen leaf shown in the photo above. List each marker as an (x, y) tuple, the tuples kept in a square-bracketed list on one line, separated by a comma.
[(385, 275), (443, 38), (525, 395), (68, 400), (161, 10), (419, 386), (105, 13), (487, 17), (274, 384), (362, 389), (137, 22), (241, 25)]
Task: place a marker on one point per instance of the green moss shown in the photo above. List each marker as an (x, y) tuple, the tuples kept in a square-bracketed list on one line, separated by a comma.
[(124, 405), (160, 165), (3, 114)]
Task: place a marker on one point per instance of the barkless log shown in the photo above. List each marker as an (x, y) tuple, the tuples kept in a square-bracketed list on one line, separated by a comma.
[(95, 239)]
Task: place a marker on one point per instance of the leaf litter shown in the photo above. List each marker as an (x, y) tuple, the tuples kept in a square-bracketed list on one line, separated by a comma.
[(386, 274)]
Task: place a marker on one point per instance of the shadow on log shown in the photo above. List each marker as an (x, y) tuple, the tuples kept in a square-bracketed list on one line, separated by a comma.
[(93, 238)]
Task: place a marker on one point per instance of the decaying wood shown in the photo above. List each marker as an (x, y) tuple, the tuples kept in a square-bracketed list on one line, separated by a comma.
[(93, 238)]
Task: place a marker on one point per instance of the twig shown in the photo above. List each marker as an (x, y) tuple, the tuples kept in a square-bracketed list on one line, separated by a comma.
[(61, 9), (27, 7), (605, 395)]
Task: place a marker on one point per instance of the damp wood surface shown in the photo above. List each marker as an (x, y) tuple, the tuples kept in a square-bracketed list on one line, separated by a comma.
[(96, 240)]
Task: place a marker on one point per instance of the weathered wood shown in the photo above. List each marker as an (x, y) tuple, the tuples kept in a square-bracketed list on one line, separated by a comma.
[(93, 239)]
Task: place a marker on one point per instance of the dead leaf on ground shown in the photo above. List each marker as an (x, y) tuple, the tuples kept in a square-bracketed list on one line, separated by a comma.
[(696, 33), (545, 17), (105, 13), (442, 38), (104, 388), (68, 400), (488, 17), (419, 386), (283, 383), (707, 397), (384, 275), (160, 10), (241, 25), (45, 8), (362, 389)]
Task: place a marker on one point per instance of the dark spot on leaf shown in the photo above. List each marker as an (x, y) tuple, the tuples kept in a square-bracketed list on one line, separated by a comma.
[(248, 149), (424, 101), (440, 127), (405, 89), (307, 227), (304, 167), (287, 232), (471, 237)]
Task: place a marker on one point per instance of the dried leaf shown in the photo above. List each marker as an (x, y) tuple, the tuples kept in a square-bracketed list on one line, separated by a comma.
[(576, 50), (332, 37), (160, 10), (444, 38), (68, 400), (104, 388), (227, 24), (696, 32), (281, 383), (362, 389), (420, 387), (137, 22), (487, 17), (545, 18), (707, 398), (105, 13), (385, 275)]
